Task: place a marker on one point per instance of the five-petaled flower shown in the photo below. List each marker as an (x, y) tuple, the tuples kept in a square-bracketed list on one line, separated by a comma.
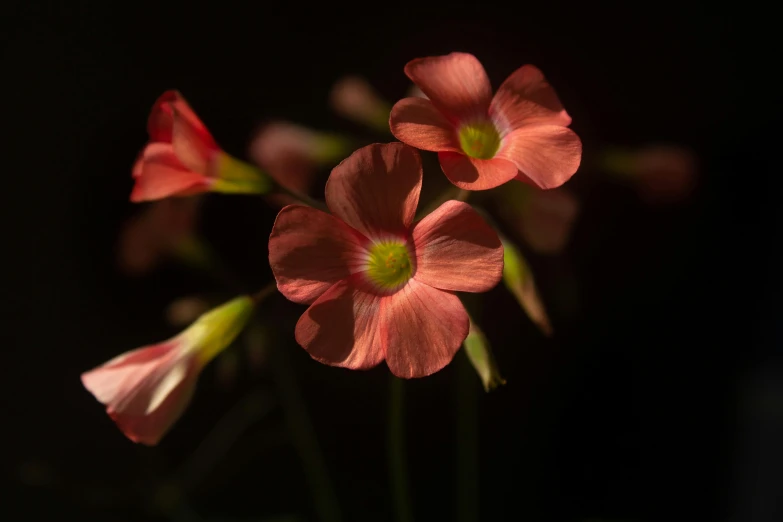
[(146, 390), (484, 141), (182, 158), (379, 285)]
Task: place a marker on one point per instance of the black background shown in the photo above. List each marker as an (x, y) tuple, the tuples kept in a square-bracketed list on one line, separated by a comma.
[(632, 411)]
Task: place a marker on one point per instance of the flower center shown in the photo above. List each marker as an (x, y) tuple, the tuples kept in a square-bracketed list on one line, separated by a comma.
[(479, 140), (389, 265)]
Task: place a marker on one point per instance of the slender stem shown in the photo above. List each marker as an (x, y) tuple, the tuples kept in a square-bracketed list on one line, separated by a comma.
[(467, 441), (302, 198), (396, 451), (225, 433), (305, 439), (264, 292)]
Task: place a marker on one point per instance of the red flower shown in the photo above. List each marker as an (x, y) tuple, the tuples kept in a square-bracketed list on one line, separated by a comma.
[(182, 158), (484, 141), (146, 390), (379, 285)]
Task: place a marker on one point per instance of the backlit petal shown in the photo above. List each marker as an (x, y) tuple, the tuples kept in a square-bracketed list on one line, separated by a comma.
[(456, 83), (159, 174), (342, 327), (418, 123), (476, 174), (422, 329), (526, 98), (457, 250), (310, 250), (547, 155), (376, 189)]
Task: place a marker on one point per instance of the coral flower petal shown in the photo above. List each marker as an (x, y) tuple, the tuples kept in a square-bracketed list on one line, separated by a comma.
[(149, 429), (108, 382), (342, 328), (159, 174), (547, 155), (145, 390), (456, 83), (423, 328), (173, 121), (457, 250), (376, 189), (418, 123), (161, 119), (310, 250), (526, 98), (476, 174)]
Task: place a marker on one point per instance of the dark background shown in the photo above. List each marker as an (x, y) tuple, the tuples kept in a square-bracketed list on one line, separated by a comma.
[(653, 400)]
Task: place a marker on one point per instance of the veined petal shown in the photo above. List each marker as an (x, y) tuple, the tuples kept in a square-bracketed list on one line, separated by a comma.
[(457, 250), (476, 174), (159, 174), (418, 123), (192, 142), (422, 329), (547, 155), (146, 390), (149, 428), (456, 83), (170, 105), (309, 251), (526, 98), (114, 378), (342, 328), (161, 117), (376, 189)]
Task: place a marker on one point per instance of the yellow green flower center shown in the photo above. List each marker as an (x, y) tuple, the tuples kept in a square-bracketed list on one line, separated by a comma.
[(479, 140), (389, 265)]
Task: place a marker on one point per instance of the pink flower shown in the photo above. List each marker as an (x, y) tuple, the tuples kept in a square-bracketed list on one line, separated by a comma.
[(182, 158), (292, 154), (146, 390), (666, 173), (484, 141), (355, 99), (543, 218), (379, 285), (156, 232)]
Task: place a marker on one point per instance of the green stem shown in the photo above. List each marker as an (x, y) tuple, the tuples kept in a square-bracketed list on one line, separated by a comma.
[(223, 435), (467, 441), (302, 198), (397, 460), (305, 439)]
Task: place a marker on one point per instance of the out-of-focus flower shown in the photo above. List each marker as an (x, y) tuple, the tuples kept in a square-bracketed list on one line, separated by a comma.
[(519, 280), (146, 390), (379, 285), (292, 154), (484, 141), (355, 99), (543, 218), (482, 359), (661, 173), (156, 232), (182, 158), (186, 310)]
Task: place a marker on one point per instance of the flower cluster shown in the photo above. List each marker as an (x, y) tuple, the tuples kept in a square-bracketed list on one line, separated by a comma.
[(380, 284)]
